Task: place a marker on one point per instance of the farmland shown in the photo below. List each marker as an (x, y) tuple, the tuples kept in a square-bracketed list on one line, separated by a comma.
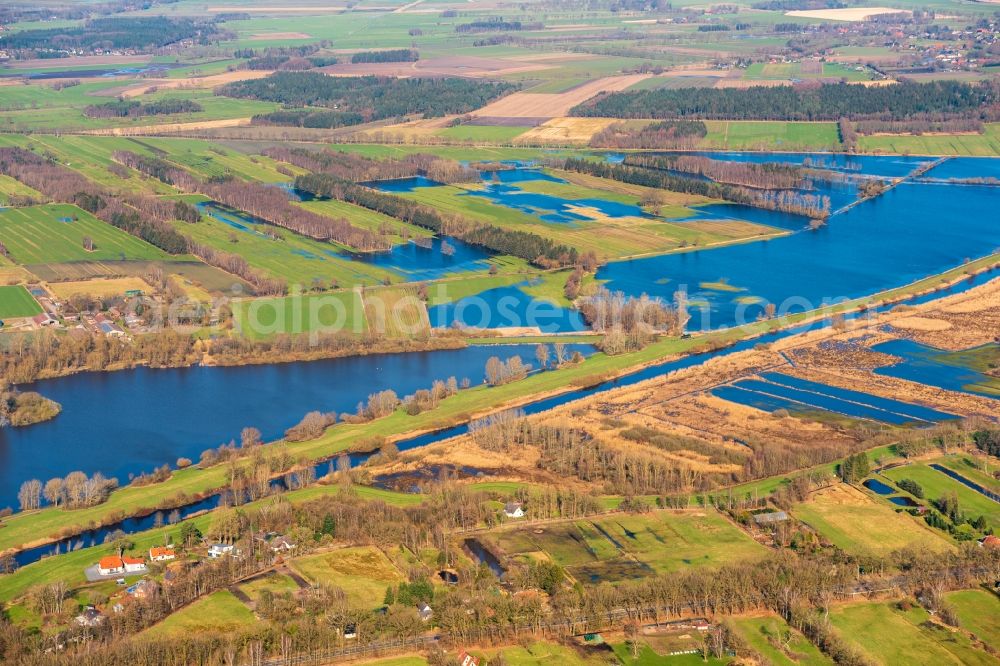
[(855, 523), (889, 635), (303, 313), (634, 546), (15, 301), (936, 485), (281, 253), (54, 233)]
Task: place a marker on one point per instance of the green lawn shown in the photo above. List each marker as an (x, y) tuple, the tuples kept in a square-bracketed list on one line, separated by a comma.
[(276, 583), (979, 612), (15, 301), (363, 573), (890, 636), (54, 233), (541, 653), (937, 484), (219, 611), (778, 643)]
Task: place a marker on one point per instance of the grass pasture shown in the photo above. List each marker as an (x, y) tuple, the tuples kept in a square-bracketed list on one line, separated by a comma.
[(770, 135), (15, 301), (855, 523), (979, 612), (778, 643), (274, 582), (363, 573), (623, 547), (54, 233), (303, 313), (986, 144), (219, 611), (937, 484), (890, 636), (287, 256), (397, 311)]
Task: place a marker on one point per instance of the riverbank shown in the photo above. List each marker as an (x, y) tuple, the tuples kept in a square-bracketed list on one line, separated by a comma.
[(24, 529)]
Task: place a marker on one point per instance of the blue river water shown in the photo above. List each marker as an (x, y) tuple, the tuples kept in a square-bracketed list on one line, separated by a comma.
[(935, 367), (155, 416), (912, 231)]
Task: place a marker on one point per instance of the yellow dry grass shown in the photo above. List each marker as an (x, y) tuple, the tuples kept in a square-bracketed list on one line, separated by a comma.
[(552, 105), (279, 35), (170, 127), (740, 83), (566, 130), (100, 288), (846, 14), (196, 82), (921, 324), (14, 275)]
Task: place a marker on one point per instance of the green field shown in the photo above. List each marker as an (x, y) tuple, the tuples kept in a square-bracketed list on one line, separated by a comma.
[(975, 145), (219, 611), (979, 612), (274, 582), (779, 644), (329, 312), (625, 546), (54, 233), (15, 301), (937, 484), (483, 133), (282, 254), (891, 636), (856, 523), (770, 135), (363, 573)]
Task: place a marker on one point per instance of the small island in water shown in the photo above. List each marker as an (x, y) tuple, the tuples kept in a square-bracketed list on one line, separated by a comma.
[(24, 408)]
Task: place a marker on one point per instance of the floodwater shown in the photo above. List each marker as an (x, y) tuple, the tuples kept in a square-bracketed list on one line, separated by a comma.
[(779, 391), (940, 368)]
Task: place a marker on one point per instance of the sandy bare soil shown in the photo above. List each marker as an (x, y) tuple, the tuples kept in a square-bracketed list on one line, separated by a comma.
[(465, 66), (262, 36), (741, 83), (566, 130), (278, 9), (196, 82), (846, 14), (552, 105), (170, 127)]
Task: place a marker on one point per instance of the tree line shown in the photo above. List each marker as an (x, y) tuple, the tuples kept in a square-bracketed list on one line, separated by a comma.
[(388, 55), (653, 171), (266, 202), (808, 101), (371, 97), (526, 245), (140, 34), (663, 134), (63, 184), (136, 109)]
